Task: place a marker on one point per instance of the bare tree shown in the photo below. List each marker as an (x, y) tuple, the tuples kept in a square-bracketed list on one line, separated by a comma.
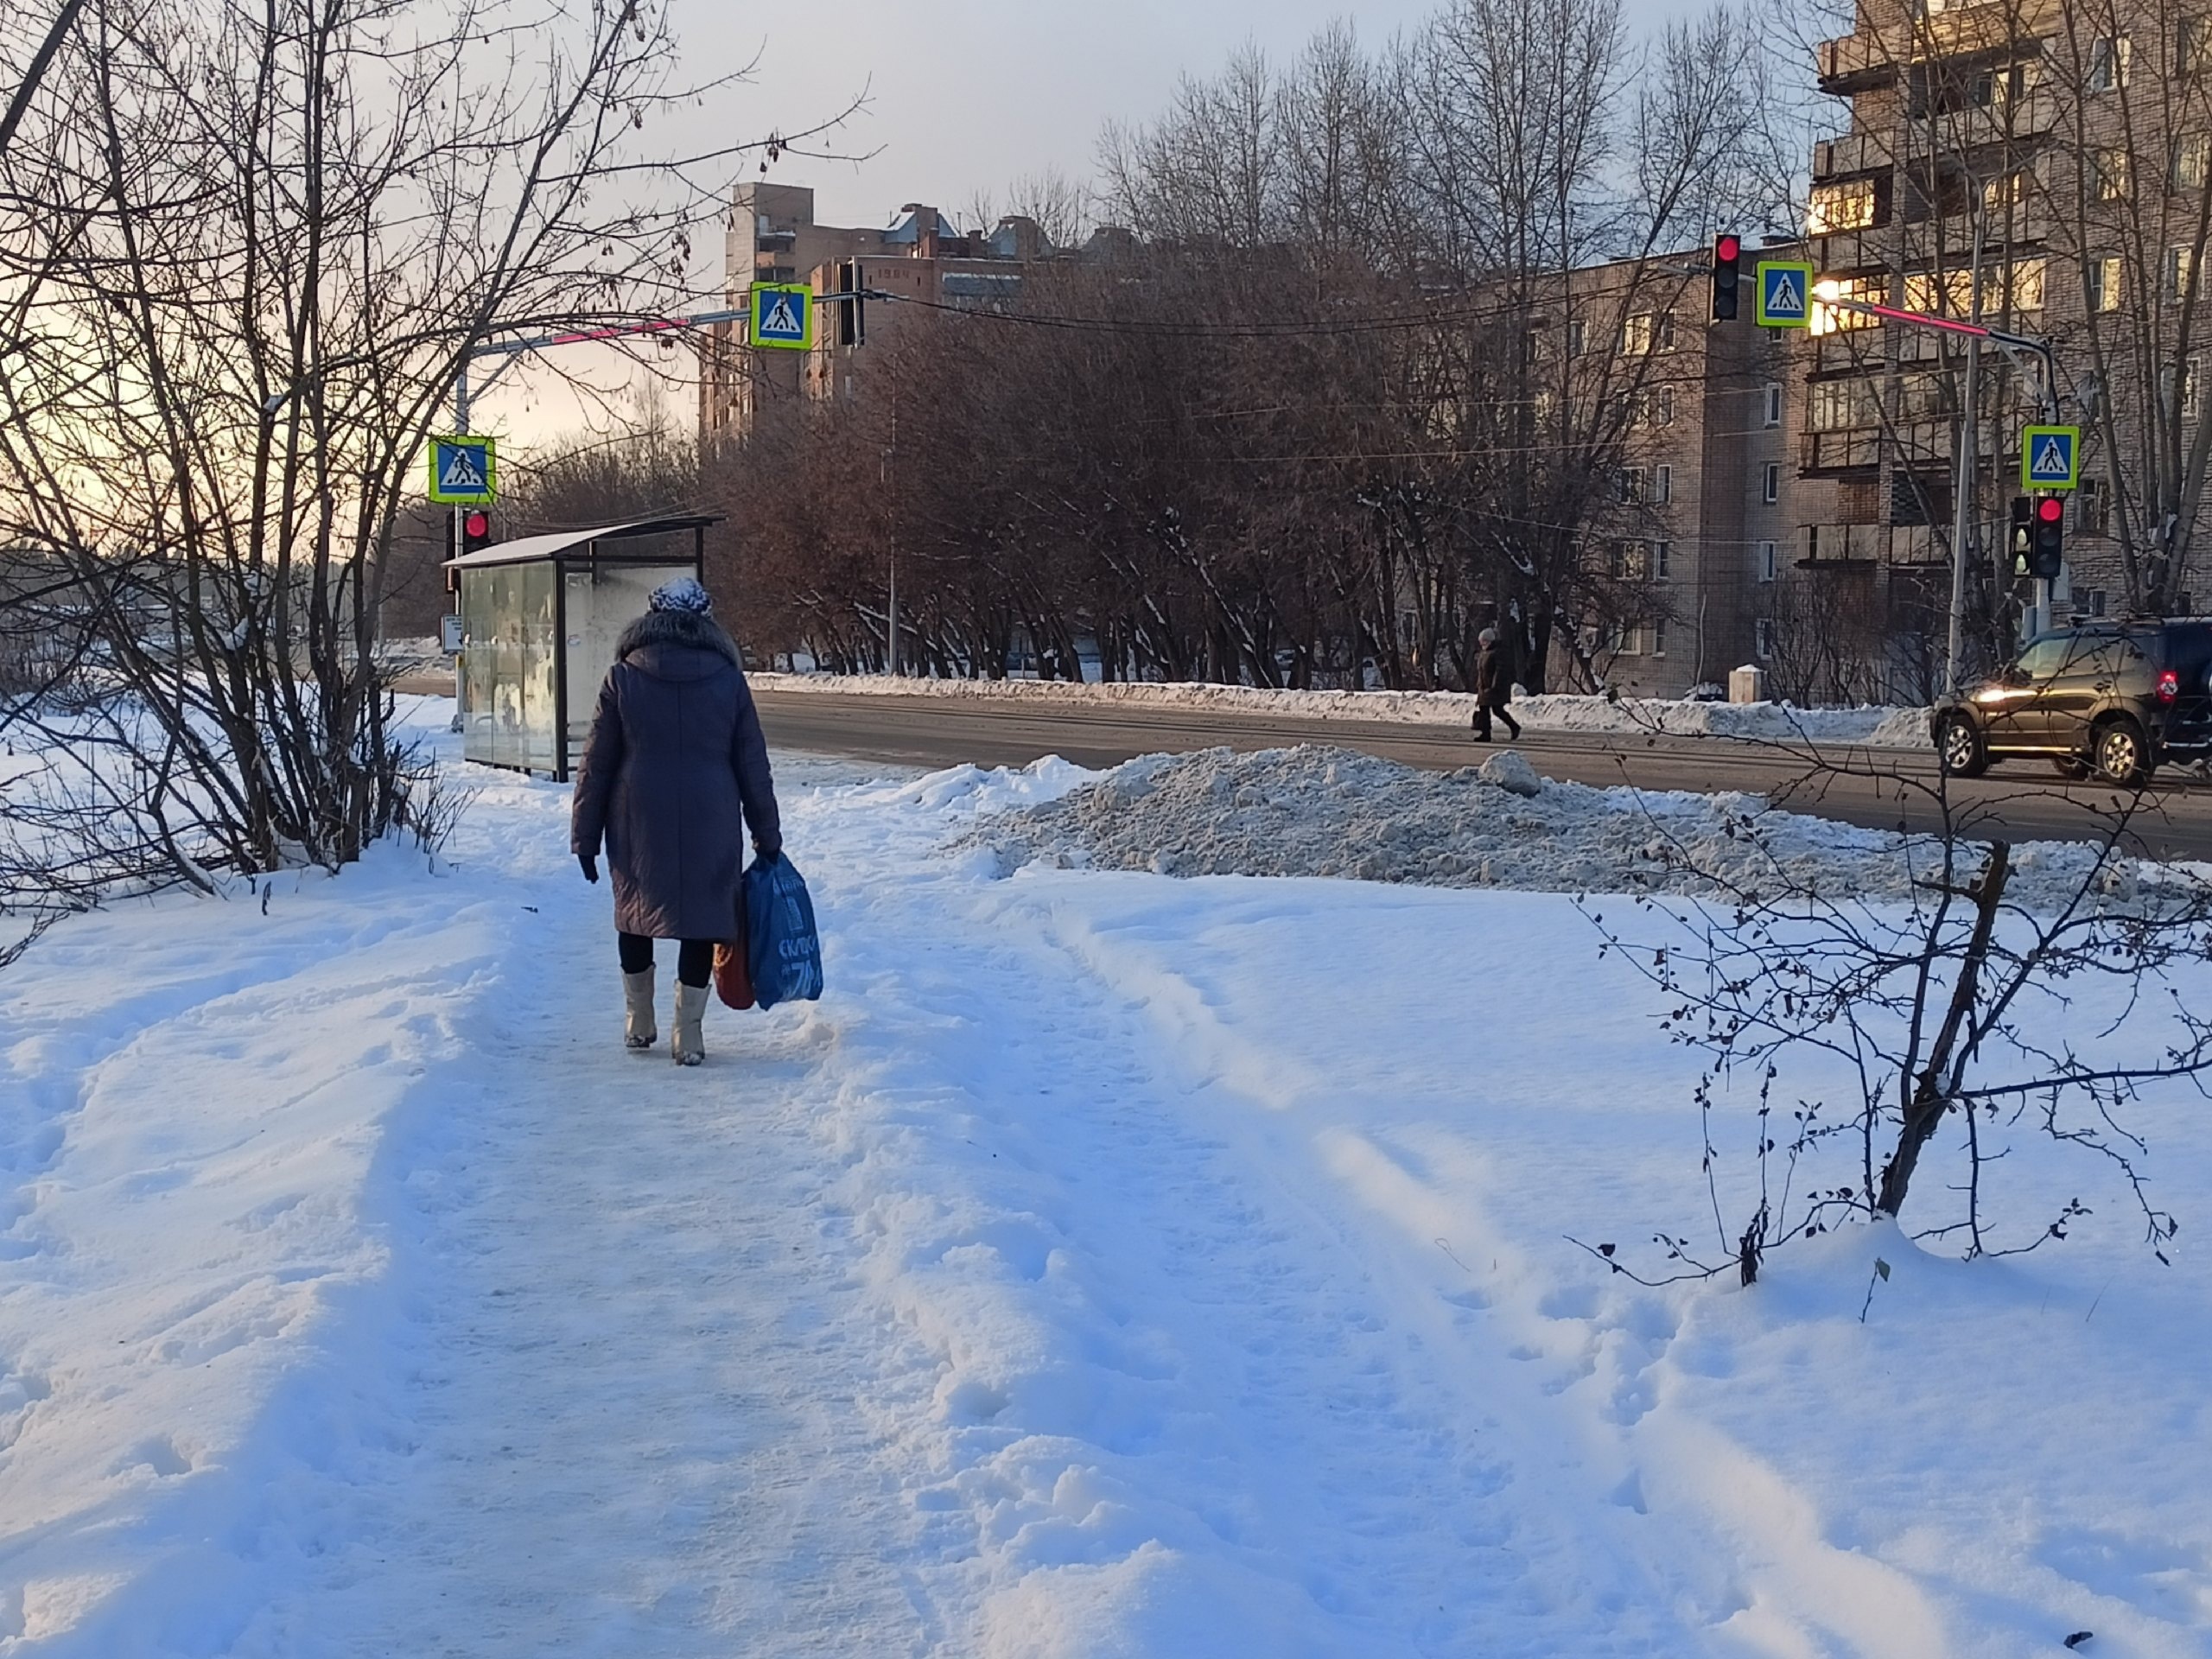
[(244, 250)]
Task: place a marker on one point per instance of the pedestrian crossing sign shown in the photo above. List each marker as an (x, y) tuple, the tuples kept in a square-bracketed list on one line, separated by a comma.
[(463, 471), (2051, 458), (1785, 294), (782, 316)]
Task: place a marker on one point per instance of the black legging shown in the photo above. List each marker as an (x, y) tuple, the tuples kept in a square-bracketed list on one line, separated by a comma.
[(695, 961)]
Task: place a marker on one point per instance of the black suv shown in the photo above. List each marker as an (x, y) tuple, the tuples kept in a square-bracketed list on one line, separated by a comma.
[(2115, 698)]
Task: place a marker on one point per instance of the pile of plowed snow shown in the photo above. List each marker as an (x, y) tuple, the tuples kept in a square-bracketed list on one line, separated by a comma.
[(1313, 810)]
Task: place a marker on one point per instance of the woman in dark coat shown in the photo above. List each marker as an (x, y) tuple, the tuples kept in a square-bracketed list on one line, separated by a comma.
[(674, 771), (1493, 686)]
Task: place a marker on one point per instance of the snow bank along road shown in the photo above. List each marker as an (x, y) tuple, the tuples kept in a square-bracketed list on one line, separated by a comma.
[(2024, 798), (1110, 1265)]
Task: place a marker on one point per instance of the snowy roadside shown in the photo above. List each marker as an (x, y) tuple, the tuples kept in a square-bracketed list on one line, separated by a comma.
[(1874, 728), (1108, 1266), (1313, 810)]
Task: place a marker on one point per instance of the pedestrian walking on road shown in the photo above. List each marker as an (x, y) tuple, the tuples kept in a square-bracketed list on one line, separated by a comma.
[(1493, 686), (676, 770)]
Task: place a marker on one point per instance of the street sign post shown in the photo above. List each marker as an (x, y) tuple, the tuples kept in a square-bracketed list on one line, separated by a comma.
[(464, 471), (782, 316), (2051, 458), (1785, 294)]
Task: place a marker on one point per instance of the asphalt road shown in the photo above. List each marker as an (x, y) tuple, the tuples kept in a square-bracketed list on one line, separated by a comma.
[(2024, 800)]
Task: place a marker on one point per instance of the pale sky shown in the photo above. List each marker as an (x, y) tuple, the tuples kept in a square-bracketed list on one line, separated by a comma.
[(963, 97)]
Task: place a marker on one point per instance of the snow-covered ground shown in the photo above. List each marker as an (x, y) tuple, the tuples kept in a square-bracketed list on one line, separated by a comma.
[(1773, 722), (1110, 1265)]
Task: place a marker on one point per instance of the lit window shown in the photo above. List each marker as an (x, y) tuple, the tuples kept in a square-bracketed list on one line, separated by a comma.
[(2025, 285), (1945, 294), (1846, 206), (2104, 284), (1636, 334), (2109, 174), (1827, 319), (2192, 160), (2108, 56)]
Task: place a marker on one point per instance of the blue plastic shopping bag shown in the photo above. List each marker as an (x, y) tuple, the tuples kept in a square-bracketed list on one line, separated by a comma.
[(784, 951)]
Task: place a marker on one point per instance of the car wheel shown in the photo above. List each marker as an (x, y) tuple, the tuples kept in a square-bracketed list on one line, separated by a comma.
[(1958, 748), (2123, 754)]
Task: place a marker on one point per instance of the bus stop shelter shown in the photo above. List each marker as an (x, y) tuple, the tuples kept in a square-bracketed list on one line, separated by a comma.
[(539, 619)]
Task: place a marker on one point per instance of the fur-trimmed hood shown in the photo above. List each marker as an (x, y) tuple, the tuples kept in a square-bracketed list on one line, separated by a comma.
[(656, 635)]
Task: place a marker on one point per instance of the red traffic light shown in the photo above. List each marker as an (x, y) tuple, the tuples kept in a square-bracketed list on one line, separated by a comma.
[(1729, 247), (477, 526), (2050, 510)]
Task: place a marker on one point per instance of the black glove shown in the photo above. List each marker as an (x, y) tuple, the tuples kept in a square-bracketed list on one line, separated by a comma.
[(767, 851), (590, 861)]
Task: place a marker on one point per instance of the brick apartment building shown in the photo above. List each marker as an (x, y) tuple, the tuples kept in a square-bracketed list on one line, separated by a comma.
[(773, 237)]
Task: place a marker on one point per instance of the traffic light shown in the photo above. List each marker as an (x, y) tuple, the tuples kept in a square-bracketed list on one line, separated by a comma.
[(2023, 540), (475, 529), (852, 314), (2049, 552), (1727, 255)]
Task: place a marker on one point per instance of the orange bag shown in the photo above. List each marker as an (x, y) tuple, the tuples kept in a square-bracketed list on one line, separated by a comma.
[(732, 970)]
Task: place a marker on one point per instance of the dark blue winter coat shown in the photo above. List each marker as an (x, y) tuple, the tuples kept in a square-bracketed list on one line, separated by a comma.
[(674, 771)]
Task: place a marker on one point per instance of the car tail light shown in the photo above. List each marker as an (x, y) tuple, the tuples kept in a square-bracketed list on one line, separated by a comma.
[(2169, 685)]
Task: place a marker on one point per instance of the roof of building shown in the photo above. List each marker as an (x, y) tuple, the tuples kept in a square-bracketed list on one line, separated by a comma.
[(531, 547)]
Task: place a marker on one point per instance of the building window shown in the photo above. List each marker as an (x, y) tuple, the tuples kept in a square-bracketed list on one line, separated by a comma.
[(1763, 637), (2104, 283), (1773, 402), (2192, 160), (2090, 504), (1636, 334), (2024, 285), (2006, 190), (1663, 484), (1666, 402), (2193, 50), (1829, 319), (2109, 174), (1771, 489), (1769, 557), (1948, 293), (2181, 270), (1839, 405), (1666, 330), (1661, 556), (1632, 483), (1846, 206), (1659, 636), (2108, 55), (1575, 339)]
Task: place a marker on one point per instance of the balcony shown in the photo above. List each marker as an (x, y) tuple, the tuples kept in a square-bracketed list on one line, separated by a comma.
[(1853, 63), (2019, 123), (1842, 544), (1846, 253), (1849, 153)]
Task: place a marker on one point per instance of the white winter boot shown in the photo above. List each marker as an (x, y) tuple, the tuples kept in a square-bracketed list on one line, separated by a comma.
[(637, 1010), (687, 1044)]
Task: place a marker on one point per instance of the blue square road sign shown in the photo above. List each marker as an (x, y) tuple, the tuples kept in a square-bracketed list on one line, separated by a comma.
[(2051, 458), (782, 316), (1785, 294)]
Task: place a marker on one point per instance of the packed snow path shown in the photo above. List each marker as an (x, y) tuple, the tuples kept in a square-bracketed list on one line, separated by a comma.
[(1110, 1266)]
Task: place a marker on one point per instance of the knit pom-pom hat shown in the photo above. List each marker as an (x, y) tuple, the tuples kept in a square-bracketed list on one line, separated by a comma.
[(684, 594)]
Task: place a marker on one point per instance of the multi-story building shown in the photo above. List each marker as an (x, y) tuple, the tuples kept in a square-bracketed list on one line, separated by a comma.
[(2039, 166), (920, 256)]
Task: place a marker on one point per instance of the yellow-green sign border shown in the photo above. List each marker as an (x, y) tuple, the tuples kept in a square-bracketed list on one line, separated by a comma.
[(1759, 293), (805, 297), (483, 498), (2028, 437)]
